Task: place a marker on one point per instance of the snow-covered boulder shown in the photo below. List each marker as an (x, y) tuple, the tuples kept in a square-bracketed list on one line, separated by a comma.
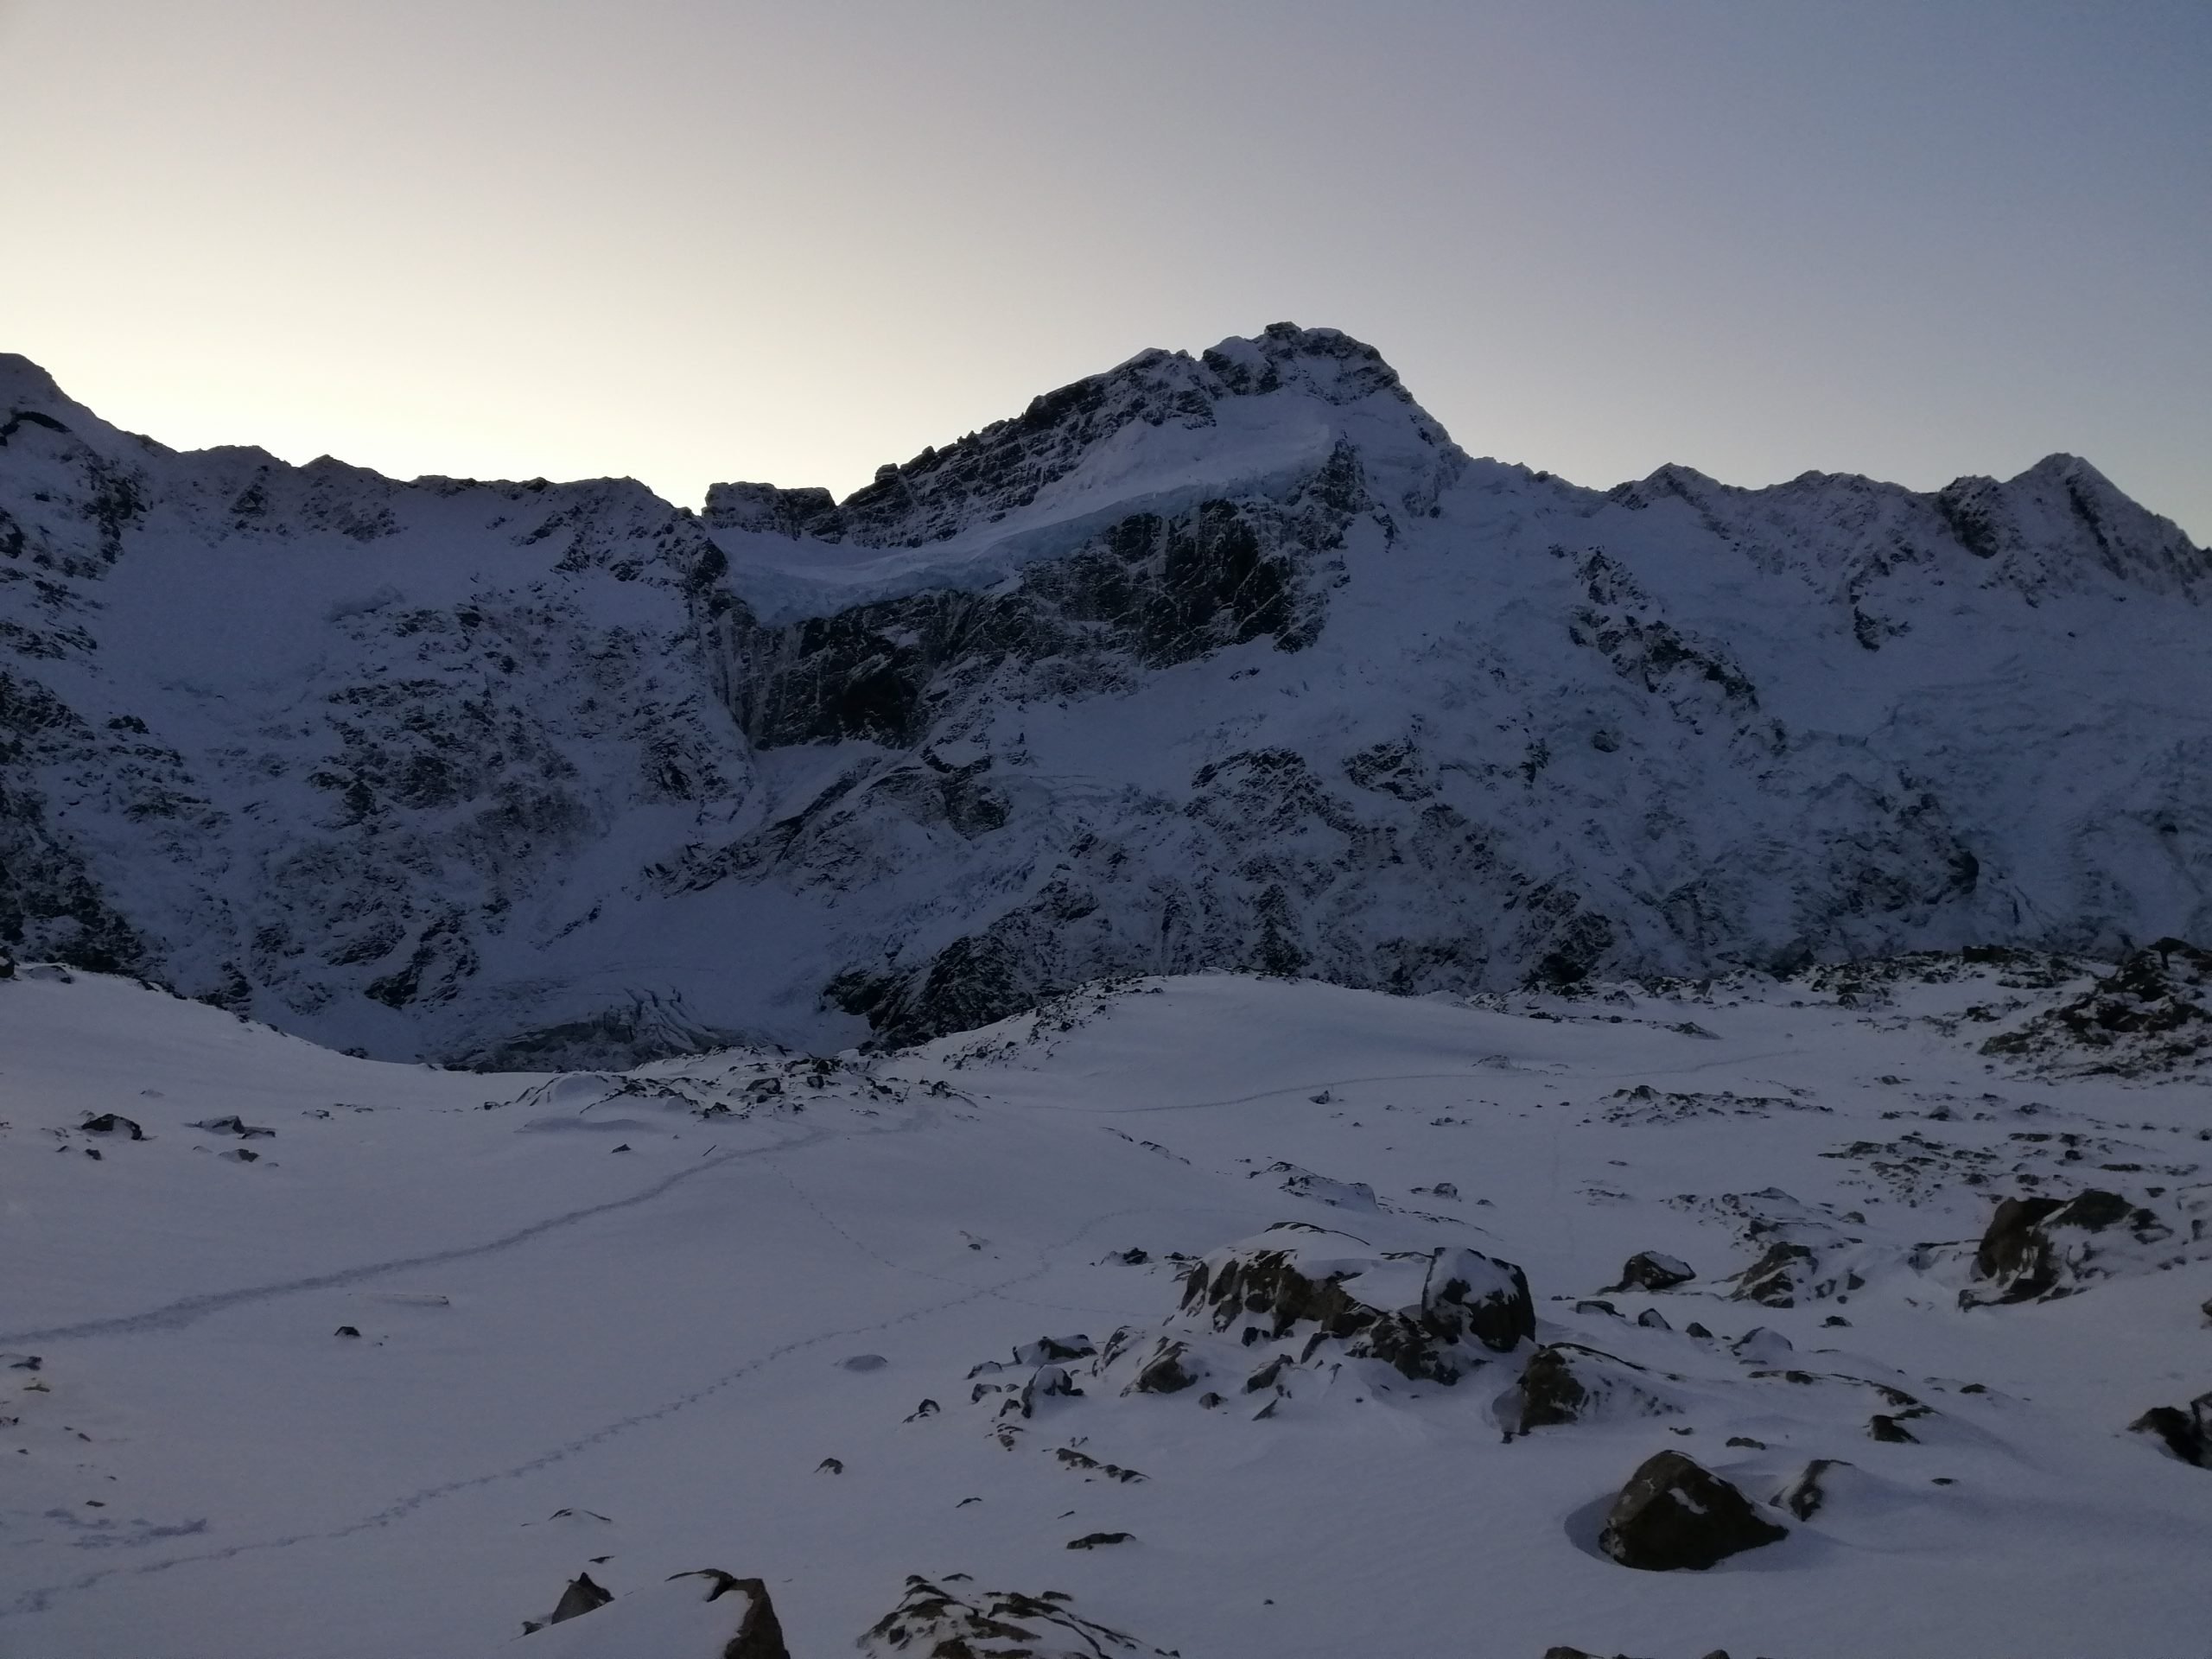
[(1654, 1270), (1567, 1382), (934, 1622), (1421, 1312)]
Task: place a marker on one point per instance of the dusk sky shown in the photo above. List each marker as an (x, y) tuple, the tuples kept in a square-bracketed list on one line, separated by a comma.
[(692, 240)]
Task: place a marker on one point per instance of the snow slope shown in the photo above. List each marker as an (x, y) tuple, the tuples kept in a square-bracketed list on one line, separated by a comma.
[(1224, 662), (617, 1323)]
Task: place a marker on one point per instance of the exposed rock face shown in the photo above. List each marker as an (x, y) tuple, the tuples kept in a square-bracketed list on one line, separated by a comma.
[(2036, 1248), (565, 775), (1675, 1514)]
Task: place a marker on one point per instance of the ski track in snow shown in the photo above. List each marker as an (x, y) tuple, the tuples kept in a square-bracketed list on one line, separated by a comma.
[(40, 1600), (189, 1310)]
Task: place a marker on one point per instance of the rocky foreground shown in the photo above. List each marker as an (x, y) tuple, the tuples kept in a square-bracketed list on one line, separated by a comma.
[(1848, 1313)]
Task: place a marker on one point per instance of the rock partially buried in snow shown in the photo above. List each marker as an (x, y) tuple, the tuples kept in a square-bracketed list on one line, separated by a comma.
[(2152, 1014), (1566, 1382), (2038, 1248), (863, 1362), (703, 1615), (1408, 1308), (582, 1596), (244, 1130), (1675, 1514), (933, 1623), (2185, 1433), (1775, 1279), (1804, 1496), (1650, 1270)]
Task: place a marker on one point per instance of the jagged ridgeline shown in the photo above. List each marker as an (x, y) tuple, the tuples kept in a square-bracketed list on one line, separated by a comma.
[(1233, 661)]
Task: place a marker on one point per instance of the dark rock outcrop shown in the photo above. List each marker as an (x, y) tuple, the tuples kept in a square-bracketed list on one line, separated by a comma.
[(1804, 1496), (1308, 1278), (1674, 1514), (931, 1622), (1650, 1270), (2151, 1015), (582, 1595), (2039, 1247), (1776, 1280), (2184, 1431), (707, 1614), (1566, 1382), (759, 1634)]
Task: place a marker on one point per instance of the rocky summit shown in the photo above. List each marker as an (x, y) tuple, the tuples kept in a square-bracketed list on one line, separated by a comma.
[(1227, 661)]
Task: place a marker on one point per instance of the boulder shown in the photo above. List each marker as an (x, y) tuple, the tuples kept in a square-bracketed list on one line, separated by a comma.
[(1674, 1514), (1415, 1310), (581, 1597), (1167, 1371), (2036, 1248), (1650, 1270), (931, 1622), (1804, 1496), (2152, 1015), (1777, 1279), (1566, 1382), (703, 1615), (236, 1126), (2182, 1432)]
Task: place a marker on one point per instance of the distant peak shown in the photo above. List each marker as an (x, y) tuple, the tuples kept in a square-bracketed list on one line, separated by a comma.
[(991, 475), (23, 384), (2059, 468), (1324, 361)]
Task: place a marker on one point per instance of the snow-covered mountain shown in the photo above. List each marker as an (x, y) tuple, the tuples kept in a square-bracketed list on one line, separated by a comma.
[(1226, 661)]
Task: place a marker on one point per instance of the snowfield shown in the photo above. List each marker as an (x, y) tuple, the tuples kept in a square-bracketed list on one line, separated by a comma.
[(1191, 1300)]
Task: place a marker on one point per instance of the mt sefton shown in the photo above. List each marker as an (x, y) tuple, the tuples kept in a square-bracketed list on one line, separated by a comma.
[(1234, 661)]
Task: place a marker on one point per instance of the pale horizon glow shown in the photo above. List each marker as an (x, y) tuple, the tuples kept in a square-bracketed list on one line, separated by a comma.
[(697, 240)]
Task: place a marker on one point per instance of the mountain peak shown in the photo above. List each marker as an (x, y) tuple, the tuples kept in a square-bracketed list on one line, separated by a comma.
[(24, 385), (2061, 514), (1156, 424)]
